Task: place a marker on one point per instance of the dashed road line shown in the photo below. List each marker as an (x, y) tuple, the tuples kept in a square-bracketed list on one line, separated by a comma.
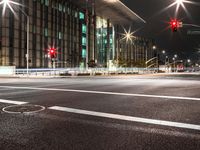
[(127, 118), (12, 102)]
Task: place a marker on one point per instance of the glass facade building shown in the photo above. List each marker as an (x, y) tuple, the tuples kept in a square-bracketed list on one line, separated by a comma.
[(79, 34)]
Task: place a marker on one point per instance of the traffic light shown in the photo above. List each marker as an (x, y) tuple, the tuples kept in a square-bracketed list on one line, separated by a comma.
[(174, 25), (52, 52)]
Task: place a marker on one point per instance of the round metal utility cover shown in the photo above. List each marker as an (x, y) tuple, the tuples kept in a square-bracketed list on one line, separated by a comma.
[(24, 109)]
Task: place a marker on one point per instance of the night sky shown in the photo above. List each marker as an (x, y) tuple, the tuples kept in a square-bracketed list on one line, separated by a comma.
[(157, 26)]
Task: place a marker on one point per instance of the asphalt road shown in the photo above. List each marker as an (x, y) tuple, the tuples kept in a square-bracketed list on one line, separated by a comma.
[(149, 112)]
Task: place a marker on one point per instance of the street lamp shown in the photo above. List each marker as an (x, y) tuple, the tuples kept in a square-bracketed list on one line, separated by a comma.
[(180, 4), (128, 35), (154, 48), (8, 3), (174, 59), (166, 63), (163, 51)]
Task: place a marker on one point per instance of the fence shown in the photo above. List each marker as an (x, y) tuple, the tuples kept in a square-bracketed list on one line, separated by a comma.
[(82, 72)]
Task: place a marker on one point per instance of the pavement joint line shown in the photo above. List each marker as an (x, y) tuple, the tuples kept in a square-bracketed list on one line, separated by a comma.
[(127, 118), (105, 93), (12, 102)]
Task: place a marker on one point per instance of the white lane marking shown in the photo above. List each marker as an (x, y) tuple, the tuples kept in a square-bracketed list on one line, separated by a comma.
[(105, 93), (127, 118), (12, 102)]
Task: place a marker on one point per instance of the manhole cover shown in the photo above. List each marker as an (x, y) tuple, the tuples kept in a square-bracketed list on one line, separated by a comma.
[(25, 109)]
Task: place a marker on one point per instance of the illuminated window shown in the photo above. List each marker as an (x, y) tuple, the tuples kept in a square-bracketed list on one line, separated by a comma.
[(84, 41), (111, 41), (46, 32), (84, 29), (81, 15), (60, 35), (60, 7), (84, 53)]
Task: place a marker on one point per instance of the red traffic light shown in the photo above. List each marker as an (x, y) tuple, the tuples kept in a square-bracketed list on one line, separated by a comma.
[(174, 25), (52, 52)]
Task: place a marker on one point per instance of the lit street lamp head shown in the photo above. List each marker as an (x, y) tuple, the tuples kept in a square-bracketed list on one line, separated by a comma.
[(9, 3), (5, 2), (163, 52), (128, 35), (178, 4), (180, 1)]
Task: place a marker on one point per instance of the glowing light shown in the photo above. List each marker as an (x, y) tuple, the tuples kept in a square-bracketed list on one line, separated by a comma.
[(5, 1), (52, 51), (175, 24), (178, 4), (9, 3), (163, 51), (128, 35)]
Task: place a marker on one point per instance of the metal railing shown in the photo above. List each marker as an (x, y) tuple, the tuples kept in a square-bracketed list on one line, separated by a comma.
[(94, 71), (80, 71)]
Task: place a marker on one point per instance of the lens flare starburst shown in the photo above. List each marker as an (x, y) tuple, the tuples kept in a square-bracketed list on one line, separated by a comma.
[(180, 4), (128, 35), (9, 4)]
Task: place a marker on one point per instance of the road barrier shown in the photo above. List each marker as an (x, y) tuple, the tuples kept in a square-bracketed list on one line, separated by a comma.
[(90, 72), (79, 71)]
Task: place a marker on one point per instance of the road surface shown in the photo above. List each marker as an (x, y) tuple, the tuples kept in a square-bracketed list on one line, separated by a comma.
[(149, 112)]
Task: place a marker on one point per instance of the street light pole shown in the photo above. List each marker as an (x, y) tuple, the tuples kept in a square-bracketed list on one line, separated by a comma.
[(27, 50), (7, 3), (157, 65), (87, 35), (175, 68), (146, 57), (166, 57)]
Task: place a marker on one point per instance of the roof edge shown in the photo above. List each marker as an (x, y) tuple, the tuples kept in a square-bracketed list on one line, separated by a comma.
[(132, 11)]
